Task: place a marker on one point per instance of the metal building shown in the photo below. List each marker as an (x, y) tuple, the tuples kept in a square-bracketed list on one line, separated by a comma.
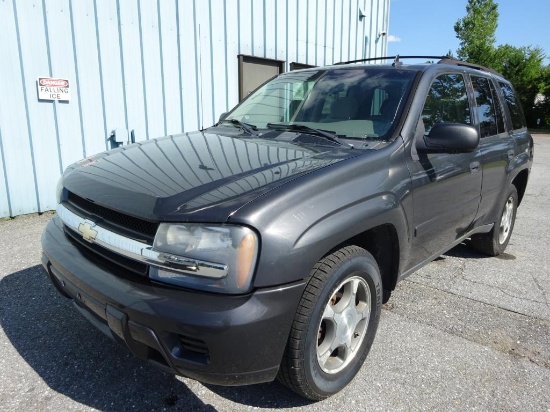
[(156, 67)]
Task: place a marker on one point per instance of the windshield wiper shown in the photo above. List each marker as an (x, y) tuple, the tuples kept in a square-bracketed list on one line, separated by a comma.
[(247, 127), (296, 127)]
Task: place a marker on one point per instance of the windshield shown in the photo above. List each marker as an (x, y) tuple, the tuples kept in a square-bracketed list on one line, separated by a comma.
[(354, 103)]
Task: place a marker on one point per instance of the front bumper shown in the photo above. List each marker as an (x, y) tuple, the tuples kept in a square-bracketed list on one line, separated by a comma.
[(218, 339)]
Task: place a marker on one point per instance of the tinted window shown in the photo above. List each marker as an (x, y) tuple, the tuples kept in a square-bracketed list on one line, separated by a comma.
[(489, 122), (514, 107), (498, 109), (447, 102)]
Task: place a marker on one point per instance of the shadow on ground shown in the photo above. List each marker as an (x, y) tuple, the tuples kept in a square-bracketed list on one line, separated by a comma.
[(465, 250), (76, 360)]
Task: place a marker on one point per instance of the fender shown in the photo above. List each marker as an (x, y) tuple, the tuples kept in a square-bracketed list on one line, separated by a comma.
[(305, 219)]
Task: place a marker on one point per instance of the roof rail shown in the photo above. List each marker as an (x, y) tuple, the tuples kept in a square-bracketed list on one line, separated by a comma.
[(457, 62), (394, 58), (442, 60)]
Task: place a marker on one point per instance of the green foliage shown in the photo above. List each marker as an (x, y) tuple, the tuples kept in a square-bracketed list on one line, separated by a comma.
[(476, 32), (523, 66), (542, 107)]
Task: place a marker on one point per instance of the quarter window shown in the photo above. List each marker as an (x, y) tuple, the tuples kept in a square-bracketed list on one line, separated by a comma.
[(447, 102), (516, 114)]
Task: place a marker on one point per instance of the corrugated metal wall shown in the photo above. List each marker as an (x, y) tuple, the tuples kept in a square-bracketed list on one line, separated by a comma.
[(156, 66)]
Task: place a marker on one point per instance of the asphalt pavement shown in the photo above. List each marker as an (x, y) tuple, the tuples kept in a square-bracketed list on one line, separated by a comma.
[(466, 332)]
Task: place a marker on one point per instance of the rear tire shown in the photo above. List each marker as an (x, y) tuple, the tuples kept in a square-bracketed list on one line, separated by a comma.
[(494, 243), (335, 324)]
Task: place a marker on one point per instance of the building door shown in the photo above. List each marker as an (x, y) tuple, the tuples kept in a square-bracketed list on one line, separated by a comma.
[(254, 71)]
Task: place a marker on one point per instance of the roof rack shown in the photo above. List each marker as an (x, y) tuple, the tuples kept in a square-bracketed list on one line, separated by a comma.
[(457, 62), (442, 60), (394, 58)]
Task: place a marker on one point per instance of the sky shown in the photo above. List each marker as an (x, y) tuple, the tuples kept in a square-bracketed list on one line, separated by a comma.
[(426, 27)]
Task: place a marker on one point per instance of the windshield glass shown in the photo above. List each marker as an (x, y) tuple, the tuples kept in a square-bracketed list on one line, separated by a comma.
[(355, 103)]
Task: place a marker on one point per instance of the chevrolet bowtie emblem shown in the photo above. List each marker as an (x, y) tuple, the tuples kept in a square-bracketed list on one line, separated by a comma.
[(88, 233)]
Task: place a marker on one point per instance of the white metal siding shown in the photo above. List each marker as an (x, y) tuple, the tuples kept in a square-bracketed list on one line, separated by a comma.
[(156, 66)]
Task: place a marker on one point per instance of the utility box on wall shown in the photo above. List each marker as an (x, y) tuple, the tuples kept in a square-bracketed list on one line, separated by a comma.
[(154, 67)]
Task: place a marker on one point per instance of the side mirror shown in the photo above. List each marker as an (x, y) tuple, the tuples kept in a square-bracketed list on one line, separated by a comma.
[(449, 138)]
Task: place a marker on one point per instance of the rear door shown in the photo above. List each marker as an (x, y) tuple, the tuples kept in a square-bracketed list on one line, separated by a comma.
[(497, 145)]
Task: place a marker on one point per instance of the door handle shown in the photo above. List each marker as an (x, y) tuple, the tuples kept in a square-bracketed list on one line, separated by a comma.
[(474, 167)]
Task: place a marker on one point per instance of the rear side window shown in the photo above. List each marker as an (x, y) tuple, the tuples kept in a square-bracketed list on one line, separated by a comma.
[(516, 114), (447, 102), (487, 107)]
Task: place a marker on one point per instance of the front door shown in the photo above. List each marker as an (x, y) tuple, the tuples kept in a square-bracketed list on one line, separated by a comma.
[(446, 187)]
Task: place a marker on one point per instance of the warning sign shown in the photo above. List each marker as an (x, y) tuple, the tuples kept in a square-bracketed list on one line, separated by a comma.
[(53, 89)]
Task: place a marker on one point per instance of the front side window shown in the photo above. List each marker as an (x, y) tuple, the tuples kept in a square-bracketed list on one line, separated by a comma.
[(447, 102), (516, 114)]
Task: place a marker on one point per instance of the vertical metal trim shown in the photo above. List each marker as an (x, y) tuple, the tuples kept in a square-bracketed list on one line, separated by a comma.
[(342, 30), (239, 27), (377, 28), (286, 34), (6, 182), (159, 20), (77, 80), (349, 31), (370, 29), (98, 45), (55, 119), (317, 31), (199, 108), (333, 29), (363, 42), (307, 31), (178, 33), (252, 26), (387, 27), (121, 52), (297, 31), (22, 68), (276, 29), (213, 96), (325, 40), (226, 61), (143, 82), (265, 31), (357, 30)]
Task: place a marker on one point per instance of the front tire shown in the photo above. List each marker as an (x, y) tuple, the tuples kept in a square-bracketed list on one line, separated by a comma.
[(494, 243), (335, 324)]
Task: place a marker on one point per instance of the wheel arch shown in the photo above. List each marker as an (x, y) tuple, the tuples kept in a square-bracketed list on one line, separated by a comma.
[(382, 242)]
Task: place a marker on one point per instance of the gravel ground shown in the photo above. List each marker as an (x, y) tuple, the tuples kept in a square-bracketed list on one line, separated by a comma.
[(465, 332)]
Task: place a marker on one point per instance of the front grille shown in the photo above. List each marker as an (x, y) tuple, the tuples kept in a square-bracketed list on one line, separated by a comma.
[(113, 262), (137, 228)]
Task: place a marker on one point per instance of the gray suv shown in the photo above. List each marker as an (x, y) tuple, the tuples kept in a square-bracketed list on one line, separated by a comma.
[(265, 245)]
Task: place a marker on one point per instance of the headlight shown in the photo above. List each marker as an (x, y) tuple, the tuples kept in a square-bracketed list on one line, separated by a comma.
[(208, 257)]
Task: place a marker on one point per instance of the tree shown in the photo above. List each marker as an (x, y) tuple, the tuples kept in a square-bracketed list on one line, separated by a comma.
[(476, 32), (542, 105), (523, 66)]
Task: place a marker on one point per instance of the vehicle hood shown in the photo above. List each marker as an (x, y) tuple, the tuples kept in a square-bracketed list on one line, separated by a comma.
[(197, 176)]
